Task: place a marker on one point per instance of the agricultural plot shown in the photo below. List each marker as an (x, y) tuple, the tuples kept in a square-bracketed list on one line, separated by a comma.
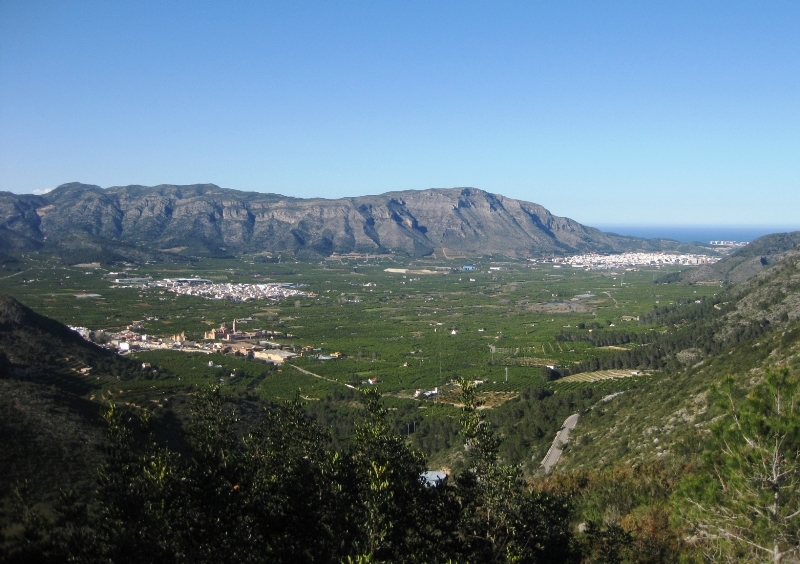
[(605, 381), (599, 376)]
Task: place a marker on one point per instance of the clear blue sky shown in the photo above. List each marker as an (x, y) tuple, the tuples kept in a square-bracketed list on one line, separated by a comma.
[(611, 113)]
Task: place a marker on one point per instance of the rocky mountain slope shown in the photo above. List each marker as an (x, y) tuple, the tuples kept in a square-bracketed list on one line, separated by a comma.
[(206, 220), (746, 261)]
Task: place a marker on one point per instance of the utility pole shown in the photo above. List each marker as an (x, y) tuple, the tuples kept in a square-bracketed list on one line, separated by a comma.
[(506, 374)]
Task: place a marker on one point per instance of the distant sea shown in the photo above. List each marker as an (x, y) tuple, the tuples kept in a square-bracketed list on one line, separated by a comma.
[(688, 233)]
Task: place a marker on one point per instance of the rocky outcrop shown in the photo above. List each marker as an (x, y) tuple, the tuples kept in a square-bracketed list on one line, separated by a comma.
[(204, 219)]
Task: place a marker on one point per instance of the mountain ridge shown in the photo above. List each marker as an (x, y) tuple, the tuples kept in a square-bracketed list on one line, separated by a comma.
[(206, 220)]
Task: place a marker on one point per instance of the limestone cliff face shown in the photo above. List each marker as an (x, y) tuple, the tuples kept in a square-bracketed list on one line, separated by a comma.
[(204, 218)]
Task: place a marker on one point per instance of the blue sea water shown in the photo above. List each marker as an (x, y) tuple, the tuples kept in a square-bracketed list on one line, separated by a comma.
[(692, 233)]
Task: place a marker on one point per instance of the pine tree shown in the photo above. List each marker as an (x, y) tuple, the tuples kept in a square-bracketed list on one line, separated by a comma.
[(746, 506), (502, 518)]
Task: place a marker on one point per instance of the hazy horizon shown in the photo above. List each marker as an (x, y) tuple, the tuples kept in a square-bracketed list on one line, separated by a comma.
[(697, 233)]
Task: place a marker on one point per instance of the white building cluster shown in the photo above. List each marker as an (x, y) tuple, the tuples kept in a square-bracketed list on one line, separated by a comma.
[(234, 342), (233, 292), (728, 243), (594, 261)]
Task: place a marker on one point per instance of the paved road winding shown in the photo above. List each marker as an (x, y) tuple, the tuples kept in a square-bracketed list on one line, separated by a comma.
[(554, 453)]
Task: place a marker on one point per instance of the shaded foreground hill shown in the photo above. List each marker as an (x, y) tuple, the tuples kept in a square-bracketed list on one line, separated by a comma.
[(49, 430), (32, 344), (50, 436), (204, 219)]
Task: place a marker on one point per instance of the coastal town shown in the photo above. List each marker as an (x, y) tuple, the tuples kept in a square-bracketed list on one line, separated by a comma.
[(592, 261)]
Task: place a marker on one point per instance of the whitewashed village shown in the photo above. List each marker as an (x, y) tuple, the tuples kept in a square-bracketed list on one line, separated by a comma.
[(593, 261)]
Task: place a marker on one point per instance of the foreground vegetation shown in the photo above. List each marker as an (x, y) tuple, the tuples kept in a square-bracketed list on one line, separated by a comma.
[(281, 494)]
